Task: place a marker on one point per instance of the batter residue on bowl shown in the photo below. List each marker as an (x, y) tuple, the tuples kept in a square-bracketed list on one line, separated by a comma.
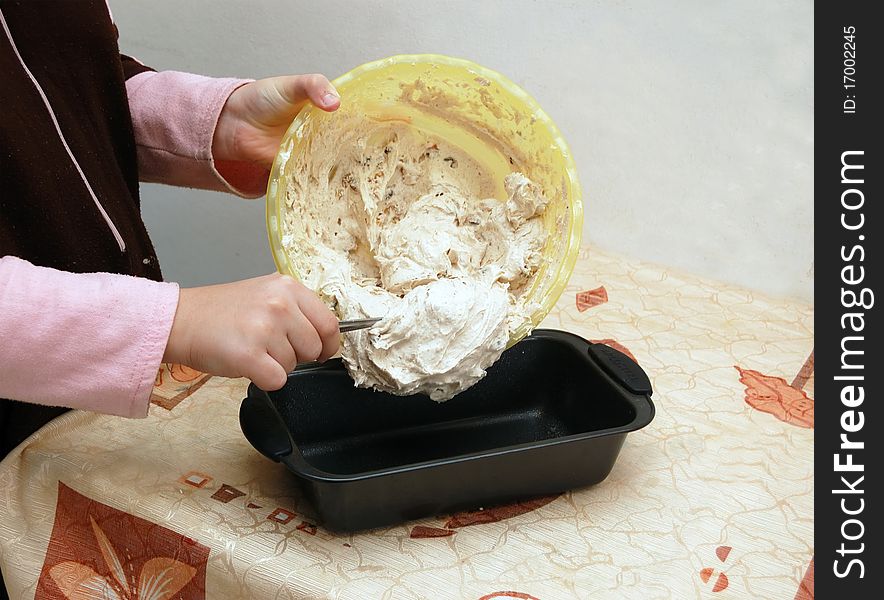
[(385, 221)]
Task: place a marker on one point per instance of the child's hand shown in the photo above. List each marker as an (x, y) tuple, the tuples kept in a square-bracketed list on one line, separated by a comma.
[(257, 328), (256, 115)]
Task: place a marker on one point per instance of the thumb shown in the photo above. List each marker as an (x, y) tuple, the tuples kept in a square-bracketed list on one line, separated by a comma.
[(316, 88), (267, 374)]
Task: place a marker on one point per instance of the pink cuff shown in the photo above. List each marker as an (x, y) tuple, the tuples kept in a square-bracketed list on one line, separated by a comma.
[(89, 341), (174, 115)]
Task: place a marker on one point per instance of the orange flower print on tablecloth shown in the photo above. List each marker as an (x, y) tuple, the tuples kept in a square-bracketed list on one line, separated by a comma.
[(480, 517), (497, 513), (183, 372), (776, 397), (422, 531), (805, 589), (590, 298), (721, 582), (174, 383), (97, 552), (616, 346), (715, 577)]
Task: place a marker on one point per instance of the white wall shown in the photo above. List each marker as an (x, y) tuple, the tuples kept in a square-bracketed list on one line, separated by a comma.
[(691, 121)]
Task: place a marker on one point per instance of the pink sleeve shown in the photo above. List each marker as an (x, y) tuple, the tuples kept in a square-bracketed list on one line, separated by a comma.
[(88, 341), (174, 116)]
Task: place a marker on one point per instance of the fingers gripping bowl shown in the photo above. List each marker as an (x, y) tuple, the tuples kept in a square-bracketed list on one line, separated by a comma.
[(425, 152)]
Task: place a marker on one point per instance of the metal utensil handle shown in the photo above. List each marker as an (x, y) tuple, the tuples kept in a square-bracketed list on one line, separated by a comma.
[(354, 324)]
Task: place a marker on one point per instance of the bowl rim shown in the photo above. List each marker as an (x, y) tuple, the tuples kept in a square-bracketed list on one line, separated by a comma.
[(575, 213)]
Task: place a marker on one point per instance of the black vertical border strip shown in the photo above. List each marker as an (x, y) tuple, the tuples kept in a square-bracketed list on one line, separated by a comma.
[(835, 133)]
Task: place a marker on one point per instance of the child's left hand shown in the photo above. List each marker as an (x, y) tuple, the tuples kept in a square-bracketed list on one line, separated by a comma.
[(257, 114)]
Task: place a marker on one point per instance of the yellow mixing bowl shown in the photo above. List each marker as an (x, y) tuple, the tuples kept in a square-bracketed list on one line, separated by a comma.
[(482, 112)]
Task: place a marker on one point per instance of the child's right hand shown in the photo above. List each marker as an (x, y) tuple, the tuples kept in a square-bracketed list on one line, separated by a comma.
[(257, 328)]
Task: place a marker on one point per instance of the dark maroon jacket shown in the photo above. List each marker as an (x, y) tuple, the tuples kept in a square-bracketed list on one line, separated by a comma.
[(47, 214)]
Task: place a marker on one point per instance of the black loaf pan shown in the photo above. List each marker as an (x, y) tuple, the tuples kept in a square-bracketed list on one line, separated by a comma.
[(551, 415)]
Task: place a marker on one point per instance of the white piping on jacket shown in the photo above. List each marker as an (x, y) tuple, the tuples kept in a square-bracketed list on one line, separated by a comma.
[(64, 142)]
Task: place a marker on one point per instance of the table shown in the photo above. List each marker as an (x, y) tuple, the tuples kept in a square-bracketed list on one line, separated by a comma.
[(714, 499)]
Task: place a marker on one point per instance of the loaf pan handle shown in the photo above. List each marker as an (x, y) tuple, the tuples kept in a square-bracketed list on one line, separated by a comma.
[(264, 428), (622, 368)]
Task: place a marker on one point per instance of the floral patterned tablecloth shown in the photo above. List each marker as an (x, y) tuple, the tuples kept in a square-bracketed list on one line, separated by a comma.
[(714, 499)]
